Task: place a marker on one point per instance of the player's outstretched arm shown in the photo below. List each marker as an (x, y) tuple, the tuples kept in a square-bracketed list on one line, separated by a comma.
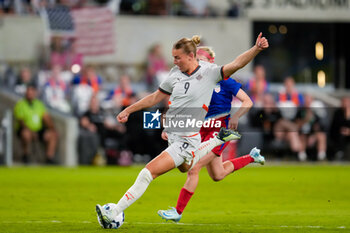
[(145, 102), (243, 59), (246, 105)]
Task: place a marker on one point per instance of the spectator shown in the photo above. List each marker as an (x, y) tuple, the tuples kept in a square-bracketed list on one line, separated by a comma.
[(290, 94), (197, 8), (89, 140), (73, 57), (9, 78), (84, 86), (25, 78), (157, 7), (57, 55), (81, 96), (123, 93), (23, 6), (133, 6), (258, 85), (289, 99), (64, 53), (6, 6), (156, 66), (311, 131), (234, 8), (89, 77), (39, 5), (73, 3), (276, 129), (94, 129), (55, 90), (340, 129), (34, 122), (176, 7)]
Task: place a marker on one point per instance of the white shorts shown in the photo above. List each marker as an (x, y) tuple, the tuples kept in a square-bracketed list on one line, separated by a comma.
[(180, 147)]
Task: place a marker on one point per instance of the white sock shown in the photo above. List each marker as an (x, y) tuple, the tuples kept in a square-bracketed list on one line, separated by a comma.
[(321, 155), (135, 191), (205, 148)]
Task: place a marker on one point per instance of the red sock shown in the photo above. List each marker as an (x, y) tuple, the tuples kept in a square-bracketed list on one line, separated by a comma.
[(241, 161), (183, 199)]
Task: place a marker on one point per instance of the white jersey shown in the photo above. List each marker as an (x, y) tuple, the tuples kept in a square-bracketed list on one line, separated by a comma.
[(190, 93)]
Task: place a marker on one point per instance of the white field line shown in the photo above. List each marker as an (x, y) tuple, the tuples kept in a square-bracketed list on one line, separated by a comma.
[(182, 224), (237, 225)]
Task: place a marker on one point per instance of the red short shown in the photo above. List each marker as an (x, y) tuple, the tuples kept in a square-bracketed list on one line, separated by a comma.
[(207, 133)]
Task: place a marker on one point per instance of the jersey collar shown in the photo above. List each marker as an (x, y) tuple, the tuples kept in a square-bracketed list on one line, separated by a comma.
[(193, 72)]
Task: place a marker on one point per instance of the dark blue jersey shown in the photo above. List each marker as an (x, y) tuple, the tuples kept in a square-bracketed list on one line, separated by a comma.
[(222, 97)]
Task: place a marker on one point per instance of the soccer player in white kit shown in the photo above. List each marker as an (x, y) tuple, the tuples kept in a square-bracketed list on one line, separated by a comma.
[(219, 110), (190, 84)]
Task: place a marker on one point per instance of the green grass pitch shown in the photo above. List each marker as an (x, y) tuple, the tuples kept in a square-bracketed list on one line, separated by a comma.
[(280, 198)]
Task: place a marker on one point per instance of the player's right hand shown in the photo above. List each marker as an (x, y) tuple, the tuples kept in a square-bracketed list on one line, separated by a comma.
[(123, 116), (164, 136)]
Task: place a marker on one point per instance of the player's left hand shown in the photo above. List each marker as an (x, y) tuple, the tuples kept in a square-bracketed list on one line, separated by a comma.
[(261, 42), (233, 123)]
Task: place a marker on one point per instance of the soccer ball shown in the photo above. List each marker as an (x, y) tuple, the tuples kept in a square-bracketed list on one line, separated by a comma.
[(117, 221)]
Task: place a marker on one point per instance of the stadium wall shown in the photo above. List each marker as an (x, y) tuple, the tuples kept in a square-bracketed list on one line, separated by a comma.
[(20, 38)]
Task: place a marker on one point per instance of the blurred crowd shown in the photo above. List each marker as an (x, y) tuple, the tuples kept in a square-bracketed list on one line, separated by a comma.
[(288, 121), (68, 86), (193, 8), (295, 123)]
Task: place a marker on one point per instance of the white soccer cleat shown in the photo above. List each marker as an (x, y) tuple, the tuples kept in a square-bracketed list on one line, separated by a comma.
[(102, 217), (258, 158), (170, 214), (105, 215)]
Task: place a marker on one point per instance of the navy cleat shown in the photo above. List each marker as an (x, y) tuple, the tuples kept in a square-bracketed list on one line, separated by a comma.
[(228, 135)]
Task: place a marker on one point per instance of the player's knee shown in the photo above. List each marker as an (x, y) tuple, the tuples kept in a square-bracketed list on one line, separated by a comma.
[(154, 173), (217, 177), (193, 172)]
